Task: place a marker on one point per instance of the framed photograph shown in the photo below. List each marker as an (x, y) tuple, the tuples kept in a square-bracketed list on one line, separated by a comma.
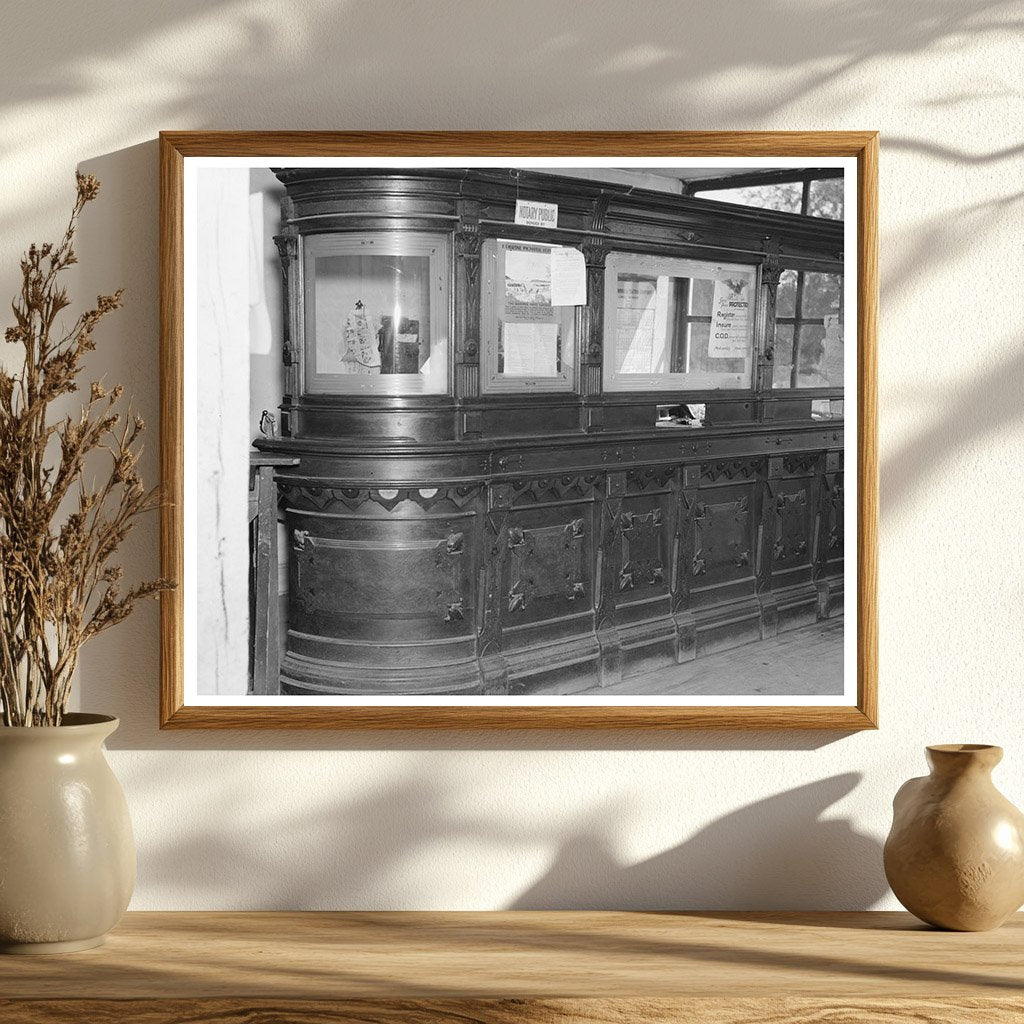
[(519, 430)]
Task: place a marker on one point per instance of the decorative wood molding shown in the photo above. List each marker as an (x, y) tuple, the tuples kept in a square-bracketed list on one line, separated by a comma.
[(332, 499), (790, 541), (567, 487), (496, 548), (467, 251), (449, 564), (729, 470), (650, 478)]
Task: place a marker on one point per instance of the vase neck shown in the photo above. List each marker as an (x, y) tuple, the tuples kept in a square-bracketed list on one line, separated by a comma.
[(952, 760)]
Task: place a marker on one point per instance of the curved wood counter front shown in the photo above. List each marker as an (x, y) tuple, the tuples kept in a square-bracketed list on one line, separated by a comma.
[(497, 568)]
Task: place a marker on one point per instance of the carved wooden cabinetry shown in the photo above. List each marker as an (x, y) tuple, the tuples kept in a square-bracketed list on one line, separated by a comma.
[(537, 529)]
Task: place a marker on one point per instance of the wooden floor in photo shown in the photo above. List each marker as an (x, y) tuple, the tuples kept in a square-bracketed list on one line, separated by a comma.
[(802, 662)]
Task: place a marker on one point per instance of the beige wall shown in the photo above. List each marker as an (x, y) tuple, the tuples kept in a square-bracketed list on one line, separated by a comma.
[(631, 820)]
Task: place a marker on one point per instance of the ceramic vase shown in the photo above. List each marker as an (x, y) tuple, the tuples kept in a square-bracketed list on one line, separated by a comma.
[(67, 855), (955, 855)]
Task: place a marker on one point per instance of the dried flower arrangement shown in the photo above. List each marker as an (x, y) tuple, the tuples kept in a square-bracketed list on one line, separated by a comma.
[(58, 587)]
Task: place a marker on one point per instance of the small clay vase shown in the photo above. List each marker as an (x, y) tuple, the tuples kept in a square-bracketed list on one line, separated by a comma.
[(955, 854)]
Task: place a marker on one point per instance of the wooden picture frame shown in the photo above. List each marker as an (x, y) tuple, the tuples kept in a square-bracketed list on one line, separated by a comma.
[(177, 711)]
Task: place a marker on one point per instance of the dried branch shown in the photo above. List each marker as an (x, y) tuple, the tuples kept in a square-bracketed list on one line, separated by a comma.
[(58, 585)]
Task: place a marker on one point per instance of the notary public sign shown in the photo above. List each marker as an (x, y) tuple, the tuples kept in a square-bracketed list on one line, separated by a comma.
[(536, 215)]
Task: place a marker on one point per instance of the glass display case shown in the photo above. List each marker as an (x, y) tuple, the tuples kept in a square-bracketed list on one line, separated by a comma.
[(678, 324), (375, 313), (529, 343)]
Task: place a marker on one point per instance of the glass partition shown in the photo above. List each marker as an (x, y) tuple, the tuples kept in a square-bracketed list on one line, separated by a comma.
[(529, 344), (678, 324), (376, 313)]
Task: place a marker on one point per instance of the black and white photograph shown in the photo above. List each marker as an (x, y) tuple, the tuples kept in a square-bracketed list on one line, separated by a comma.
[(437, 452)]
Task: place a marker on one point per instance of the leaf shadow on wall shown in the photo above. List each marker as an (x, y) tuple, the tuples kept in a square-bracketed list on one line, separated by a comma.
[(544, 64), (777, 853), (408, 843), (988, 404)]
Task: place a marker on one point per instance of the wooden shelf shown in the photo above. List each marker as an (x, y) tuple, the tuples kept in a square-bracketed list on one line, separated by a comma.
[(546, 967)]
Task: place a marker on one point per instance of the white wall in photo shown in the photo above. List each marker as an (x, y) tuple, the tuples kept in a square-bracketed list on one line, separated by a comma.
[(224, 283), (736, 820)]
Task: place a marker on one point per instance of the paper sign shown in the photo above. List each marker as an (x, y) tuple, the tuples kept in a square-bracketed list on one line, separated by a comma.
[(568, 277), (536, 215), (730, 319), (528, 282), (530, 350), (634, 326)]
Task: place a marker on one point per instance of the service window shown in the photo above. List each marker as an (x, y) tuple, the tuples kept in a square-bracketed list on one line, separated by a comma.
[(375, 313), (808, 330), (529, 344), (677, 324)]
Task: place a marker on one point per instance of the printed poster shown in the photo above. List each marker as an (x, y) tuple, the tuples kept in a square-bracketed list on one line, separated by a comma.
[(730, 319)]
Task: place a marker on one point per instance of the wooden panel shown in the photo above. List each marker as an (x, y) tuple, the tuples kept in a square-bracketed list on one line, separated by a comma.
[(791, 518), (382, 586), (525, 966), (723, 518), (548, 572), (721, 540)]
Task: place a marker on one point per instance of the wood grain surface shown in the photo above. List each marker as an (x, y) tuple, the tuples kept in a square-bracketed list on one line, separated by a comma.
[(517, 1011), (176, 146), (524, 966)]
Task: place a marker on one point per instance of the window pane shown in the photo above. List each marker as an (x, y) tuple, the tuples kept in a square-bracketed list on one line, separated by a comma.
[(832, 358), (657, 331), (785, 297), (785, 197), (783, 355), (826, 198), (821, 355), (372, 314), (810, 352), (678, 323), (702, 297), (822, 295), (528, 342)]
